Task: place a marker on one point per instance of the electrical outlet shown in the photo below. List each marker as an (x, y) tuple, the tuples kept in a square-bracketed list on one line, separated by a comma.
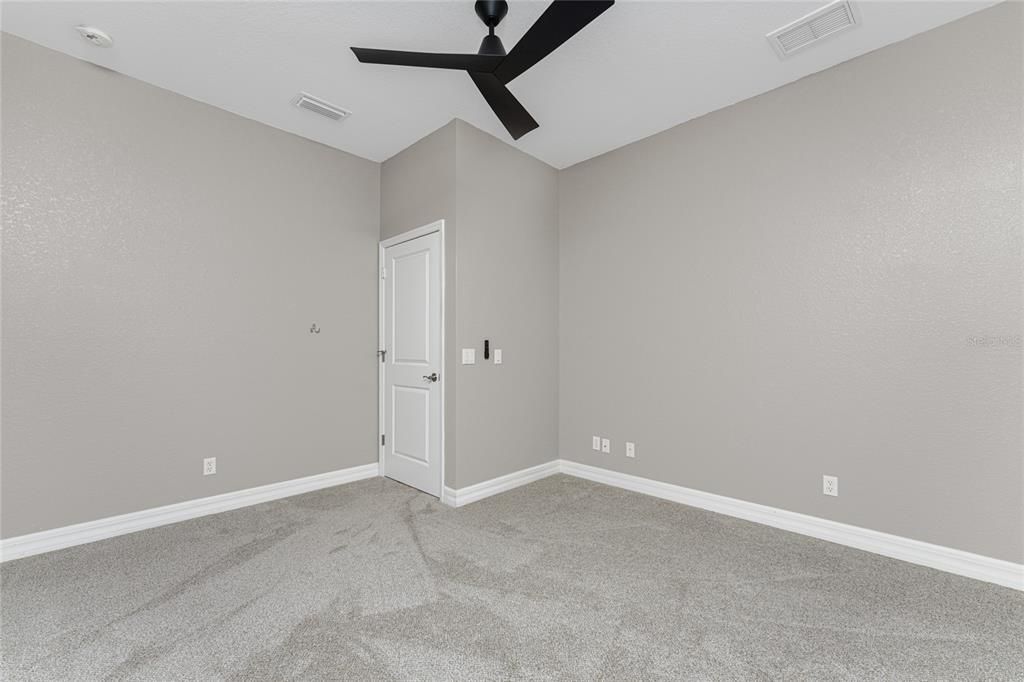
[(469, 356), (830, 485), (597, 443), (209, 466), (606, 445), (630, 449)]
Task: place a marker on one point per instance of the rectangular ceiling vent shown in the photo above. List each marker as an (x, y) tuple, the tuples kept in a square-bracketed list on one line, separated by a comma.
[(318, 106), (808, 30)]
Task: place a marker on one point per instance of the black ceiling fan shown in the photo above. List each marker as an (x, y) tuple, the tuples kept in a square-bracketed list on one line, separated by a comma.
[(490, 68)]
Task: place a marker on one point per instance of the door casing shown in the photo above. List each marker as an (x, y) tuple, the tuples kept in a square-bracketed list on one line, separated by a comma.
[(437, 226)]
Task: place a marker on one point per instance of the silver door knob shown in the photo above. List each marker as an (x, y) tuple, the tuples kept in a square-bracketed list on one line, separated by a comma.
[(432, 377)]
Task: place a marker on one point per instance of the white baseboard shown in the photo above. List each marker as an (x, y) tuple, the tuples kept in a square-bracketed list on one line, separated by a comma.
[(997, 571), (463, 496), (1005, 573), (101, 529)]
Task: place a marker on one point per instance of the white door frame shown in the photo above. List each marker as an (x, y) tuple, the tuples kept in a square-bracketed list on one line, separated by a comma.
[(437, 226)]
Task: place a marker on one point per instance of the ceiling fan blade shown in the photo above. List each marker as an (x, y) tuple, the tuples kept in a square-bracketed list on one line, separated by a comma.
[(466, 62), (559, 22), (513, 115)]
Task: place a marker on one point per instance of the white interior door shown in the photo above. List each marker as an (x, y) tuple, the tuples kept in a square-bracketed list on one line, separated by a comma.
[(412, 363)]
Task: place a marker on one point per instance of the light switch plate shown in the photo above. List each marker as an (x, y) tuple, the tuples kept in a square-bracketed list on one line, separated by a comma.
[(497, 356), (469, 356), (606, 445), (597, 443)]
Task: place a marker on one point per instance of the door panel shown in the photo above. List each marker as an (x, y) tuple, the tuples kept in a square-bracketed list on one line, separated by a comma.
[(411, 285), (412, 385), (411, 410)]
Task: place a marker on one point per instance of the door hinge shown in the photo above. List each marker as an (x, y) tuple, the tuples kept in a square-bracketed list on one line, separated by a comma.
[(382, 439), (383, 354)]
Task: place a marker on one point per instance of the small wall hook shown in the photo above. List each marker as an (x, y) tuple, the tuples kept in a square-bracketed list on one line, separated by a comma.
[(314, 329)]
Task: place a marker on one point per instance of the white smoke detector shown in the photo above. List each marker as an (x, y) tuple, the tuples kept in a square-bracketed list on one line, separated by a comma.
[(95, 36), (812, 28)]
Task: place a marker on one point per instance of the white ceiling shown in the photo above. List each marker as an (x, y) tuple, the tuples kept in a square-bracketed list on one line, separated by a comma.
[(639, 68)]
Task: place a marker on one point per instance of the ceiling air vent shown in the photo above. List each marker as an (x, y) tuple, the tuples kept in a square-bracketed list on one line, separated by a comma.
[(318, 106), (807, 30)]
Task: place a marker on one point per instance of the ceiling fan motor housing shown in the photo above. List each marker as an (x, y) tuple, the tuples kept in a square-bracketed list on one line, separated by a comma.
[(491, 44)]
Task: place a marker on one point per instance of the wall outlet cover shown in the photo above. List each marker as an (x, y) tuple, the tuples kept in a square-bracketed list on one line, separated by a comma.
[(606, 445), (630, 449), (469, 356), (830, 485), (209, 466)]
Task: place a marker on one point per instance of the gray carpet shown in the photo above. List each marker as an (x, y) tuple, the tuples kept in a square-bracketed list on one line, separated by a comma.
[(561, 579)]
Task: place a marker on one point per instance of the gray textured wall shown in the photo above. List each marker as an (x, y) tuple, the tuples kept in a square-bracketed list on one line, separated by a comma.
[(825, 279), (162, 264), (418, 184), (507, 208)]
